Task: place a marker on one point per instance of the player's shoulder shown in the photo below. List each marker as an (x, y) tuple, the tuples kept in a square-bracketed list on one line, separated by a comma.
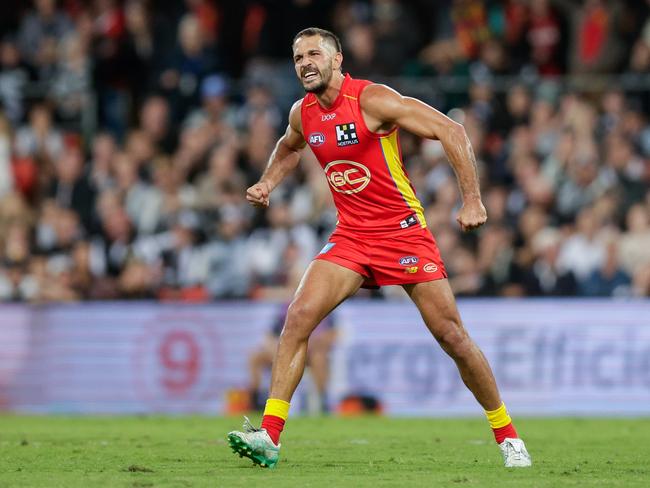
[(297, 105), (378, 98), (378, 91), (295, 114)]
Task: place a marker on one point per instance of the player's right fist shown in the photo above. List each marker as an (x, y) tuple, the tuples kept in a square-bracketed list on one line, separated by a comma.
[(258, 194)]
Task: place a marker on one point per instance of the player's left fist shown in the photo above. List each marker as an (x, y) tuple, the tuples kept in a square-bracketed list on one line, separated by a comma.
[(472, 215)]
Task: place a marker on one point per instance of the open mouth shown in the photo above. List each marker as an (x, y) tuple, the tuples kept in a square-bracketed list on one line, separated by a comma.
[(310, 75)]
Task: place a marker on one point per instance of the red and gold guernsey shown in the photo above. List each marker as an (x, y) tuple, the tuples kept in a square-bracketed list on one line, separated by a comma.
[(365, 172)]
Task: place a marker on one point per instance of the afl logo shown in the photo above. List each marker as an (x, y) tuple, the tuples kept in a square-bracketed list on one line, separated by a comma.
[(347, 176), (316, 139), (408, 260)]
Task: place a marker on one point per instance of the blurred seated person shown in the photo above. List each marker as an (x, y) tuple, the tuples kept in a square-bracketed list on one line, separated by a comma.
[(320, 345)]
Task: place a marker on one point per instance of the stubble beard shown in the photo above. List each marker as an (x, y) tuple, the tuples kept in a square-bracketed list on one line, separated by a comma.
[(326, 77)]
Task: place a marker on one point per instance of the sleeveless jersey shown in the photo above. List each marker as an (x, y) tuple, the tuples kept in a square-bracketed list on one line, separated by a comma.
[(364, 170)]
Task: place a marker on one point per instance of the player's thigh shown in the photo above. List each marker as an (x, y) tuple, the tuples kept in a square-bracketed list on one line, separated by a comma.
[(437, 305), (323, 287)]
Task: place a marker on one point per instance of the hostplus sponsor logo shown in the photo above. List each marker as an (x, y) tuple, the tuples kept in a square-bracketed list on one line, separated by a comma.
[(346, 134)]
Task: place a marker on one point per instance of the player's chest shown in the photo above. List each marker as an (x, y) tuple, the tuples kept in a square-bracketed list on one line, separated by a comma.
[(335, 136)]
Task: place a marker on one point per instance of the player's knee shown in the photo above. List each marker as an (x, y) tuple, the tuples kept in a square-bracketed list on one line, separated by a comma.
[(301, 320), (456, 342)]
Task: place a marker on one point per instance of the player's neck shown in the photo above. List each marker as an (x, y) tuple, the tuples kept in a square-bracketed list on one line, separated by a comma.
[(328, 97)]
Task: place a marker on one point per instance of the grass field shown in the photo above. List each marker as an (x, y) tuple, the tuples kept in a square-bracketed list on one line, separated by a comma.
[(359, 452)]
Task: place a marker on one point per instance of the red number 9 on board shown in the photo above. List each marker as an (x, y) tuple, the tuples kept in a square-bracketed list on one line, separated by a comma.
[(180, 359)]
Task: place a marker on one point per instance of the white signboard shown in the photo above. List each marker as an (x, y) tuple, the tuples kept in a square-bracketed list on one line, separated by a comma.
[(127, 358), (549, 357)]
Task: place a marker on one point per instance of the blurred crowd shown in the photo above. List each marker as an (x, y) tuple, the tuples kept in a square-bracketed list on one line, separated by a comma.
[(129, 134)]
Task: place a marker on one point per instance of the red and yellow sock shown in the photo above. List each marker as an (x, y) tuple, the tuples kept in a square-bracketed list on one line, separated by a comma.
[(275, 415), (501, 424)]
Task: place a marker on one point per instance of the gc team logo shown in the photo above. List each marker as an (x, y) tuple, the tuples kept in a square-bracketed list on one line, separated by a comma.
[(430, 268), (347, 176), (316, 139)]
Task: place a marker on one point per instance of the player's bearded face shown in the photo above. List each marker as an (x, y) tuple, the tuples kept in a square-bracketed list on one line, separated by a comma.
[(314, 61), (315, 80)]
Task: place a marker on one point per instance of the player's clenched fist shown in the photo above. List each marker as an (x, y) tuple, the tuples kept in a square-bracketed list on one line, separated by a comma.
[(258, 194), (472, 215)]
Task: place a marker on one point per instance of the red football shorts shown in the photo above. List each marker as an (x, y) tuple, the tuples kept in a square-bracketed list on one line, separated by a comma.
[(411, 256)]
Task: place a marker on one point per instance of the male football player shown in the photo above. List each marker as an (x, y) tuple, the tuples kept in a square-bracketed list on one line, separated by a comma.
[(381, 237)]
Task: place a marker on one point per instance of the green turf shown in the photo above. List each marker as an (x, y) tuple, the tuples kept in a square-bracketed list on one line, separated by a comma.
[(332, 452)]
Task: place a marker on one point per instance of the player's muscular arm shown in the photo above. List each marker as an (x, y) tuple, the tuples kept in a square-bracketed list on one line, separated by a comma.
[(283, 160), (384, 108)]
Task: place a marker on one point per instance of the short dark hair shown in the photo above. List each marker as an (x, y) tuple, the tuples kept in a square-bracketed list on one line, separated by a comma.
[(325, 34)]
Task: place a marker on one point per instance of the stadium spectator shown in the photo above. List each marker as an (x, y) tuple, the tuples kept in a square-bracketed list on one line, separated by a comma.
[(193, 59), (145, 46), (546, 276), (583, 252), (142, 202), (40, 138), (155, 121), (268, 245), (502, 275), (99, 166), (42, 27), (634, 244), (229, 272), (70, 188), (597, 45), (544, 36), (14, 76), (69, 87), (609, 279), (174, 135), (360, 42)]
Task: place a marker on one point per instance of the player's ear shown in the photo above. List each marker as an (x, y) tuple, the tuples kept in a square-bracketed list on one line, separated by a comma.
[(337, 61)]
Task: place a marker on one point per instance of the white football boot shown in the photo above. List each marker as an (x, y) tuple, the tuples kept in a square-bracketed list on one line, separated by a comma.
[(515, 454), (255, 444)]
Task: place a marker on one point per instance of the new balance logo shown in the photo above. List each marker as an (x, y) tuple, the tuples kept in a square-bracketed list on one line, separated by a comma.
[(408, 221), (346, 134)]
